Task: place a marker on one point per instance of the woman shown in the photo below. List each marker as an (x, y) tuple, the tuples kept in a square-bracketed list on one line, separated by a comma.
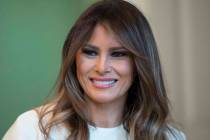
[(110, 85)]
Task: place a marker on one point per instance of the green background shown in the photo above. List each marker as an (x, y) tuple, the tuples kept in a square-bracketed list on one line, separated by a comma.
[(32, 33)]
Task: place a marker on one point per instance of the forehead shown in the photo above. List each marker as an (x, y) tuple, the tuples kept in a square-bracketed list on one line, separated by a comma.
[(103, 35)]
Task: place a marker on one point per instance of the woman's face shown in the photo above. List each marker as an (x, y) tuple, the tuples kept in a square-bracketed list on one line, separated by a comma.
[(104, 67)]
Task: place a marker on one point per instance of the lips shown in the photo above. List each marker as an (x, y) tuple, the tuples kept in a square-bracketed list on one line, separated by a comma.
[(103, 82)]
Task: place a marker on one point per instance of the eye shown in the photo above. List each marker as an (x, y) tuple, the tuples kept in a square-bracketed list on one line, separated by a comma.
[(89, 52), (119, 54)]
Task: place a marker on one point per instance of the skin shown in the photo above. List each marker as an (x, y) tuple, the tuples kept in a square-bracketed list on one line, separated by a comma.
[(105, 72)]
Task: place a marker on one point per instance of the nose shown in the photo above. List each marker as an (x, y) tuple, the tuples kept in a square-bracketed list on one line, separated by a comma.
[(102, 65)]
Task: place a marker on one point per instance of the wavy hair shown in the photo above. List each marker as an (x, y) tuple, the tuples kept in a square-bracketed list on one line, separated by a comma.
[(146, 113)]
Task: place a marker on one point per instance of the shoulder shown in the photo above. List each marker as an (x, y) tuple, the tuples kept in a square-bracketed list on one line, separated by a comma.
[(175, 134), (25, 127), (28, 117)]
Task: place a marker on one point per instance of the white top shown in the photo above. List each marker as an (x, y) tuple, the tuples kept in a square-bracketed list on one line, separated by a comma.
[(26, 128)]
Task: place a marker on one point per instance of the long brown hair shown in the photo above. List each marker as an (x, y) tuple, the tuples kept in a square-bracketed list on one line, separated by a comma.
[(146, 113)]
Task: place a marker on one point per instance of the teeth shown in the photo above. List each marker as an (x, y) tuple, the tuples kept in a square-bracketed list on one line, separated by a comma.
[(104, 82)]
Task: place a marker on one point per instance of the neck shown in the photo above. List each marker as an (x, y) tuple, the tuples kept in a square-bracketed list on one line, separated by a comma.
[(106, 115)]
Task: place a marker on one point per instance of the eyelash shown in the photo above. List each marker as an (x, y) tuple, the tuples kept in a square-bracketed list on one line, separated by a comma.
[(89, 52), (119, 54), (92, 53)]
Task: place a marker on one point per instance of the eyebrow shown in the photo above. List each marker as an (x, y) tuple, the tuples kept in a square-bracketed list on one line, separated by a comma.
[(114, 48)]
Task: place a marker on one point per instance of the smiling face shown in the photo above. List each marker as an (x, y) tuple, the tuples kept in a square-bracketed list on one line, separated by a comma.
[(104, 68)]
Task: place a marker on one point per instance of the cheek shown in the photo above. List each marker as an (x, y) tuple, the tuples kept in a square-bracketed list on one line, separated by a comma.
[(79, 66), (83, 66), (125, 68)]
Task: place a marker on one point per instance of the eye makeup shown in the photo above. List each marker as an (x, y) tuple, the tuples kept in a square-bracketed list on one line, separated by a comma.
[(89, 50), (115, 52), (119, 53)]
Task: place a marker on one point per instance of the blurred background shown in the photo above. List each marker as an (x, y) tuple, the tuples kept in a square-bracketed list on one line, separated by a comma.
[(31, 38)]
